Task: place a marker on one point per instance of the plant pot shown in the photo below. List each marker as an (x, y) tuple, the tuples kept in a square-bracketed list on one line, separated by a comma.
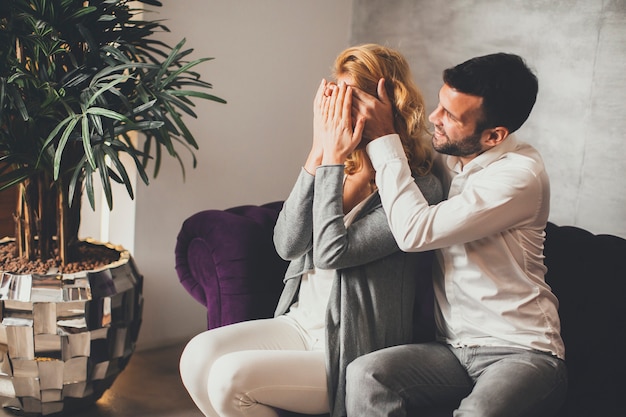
[(64, 338)]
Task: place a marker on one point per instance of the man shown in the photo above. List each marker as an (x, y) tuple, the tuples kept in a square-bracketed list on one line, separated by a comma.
[(498, 351)]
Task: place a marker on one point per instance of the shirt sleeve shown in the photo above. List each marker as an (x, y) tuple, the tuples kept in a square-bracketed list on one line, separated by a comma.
[(506, 196), (336, 246), (293, 232)]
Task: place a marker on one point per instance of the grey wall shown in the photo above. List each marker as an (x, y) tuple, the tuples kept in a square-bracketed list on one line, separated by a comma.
[(578, 49)]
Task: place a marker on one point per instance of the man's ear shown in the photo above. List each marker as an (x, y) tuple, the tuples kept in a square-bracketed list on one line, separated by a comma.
[(495, 135)]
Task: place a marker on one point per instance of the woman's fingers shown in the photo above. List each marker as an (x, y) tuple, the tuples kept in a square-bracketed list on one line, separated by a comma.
[(320, 94), (346, 108)]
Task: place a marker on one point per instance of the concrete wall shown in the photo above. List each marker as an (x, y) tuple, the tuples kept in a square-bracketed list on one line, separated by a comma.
[(578, 49), (269, 59)]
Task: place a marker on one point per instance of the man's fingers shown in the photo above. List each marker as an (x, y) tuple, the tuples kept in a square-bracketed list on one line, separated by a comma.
[(358, 130), (359, 96), (382, 91)]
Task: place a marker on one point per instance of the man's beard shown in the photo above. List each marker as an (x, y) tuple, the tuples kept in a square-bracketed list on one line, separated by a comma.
[(469, 145)]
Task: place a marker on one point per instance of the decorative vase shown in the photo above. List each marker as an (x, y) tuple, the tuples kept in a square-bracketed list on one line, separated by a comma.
[(64, 338)]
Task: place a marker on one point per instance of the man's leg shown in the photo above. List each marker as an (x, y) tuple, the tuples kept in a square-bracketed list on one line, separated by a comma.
[(512, 383), (389, 381)]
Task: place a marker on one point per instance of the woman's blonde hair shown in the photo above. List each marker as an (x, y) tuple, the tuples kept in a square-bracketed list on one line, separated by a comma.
[(368, 63)]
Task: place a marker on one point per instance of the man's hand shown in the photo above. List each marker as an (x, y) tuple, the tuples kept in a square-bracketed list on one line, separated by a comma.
[(377, 112)]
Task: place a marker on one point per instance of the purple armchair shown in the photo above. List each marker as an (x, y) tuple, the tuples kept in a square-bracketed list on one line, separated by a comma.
[(227, 262)]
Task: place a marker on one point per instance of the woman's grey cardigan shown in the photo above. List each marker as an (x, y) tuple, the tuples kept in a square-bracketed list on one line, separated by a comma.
[(371, 301)]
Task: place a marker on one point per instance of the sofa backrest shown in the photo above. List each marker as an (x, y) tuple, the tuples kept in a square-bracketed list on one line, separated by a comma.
[(588, 275)]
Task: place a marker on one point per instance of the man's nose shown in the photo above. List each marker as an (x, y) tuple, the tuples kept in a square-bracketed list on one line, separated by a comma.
[(435, 116)]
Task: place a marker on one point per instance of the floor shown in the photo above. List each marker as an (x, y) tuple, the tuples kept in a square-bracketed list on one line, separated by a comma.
[(150, 386)]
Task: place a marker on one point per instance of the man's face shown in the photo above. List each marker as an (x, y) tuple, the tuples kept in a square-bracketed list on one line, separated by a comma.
[(455, 120)]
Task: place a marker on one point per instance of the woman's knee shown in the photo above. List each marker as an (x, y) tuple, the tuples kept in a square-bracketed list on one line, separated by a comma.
[(228, 382), (196, 359)]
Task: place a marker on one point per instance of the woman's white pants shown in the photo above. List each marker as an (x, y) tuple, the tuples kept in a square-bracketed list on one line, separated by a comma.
[(253, 367)]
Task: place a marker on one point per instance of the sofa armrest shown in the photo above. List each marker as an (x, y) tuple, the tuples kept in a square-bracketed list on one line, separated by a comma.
[(226, 260)]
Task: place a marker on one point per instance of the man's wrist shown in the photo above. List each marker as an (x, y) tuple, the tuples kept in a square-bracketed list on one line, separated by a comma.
[(385, 148)]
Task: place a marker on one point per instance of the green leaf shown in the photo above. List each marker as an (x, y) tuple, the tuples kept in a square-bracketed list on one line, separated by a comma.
[(119, 166), (103, 169), (74, 181), (96, 121), (14, 177), (151, 2), (179, 102), (144, 106), (82, 11), (134, 155), (86, 135), (17, 100), (61, 146), (174, 75), (182, 126), (118, 70), (3, 87), (89, 187), (107, 113), (107, 87), (166, 64), (141, 126), (199, 94), (56, 130)]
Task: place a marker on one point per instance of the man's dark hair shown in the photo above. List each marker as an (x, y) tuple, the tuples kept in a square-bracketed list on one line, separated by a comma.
[(506, 84)]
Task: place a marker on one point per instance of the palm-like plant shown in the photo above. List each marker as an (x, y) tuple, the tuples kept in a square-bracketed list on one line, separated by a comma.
[(76, 79)]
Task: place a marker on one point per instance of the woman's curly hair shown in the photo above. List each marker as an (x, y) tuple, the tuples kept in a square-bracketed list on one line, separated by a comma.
[(367, 64)]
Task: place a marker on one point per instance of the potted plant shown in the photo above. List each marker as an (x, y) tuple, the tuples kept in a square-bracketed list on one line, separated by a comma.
[(79, 80)]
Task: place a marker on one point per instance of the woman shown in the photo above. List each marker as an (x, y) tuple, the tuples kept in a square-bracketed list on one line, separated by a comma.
[(348, 289)]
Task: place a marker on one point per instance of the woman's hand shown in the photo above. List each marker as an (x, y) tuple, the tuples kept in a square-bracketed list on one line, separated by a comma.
[(317, 148), (335, 126)]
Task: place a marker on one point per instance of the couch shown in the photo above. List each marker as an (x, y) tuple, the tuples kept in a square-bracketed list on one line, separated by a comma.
[(226, 260)]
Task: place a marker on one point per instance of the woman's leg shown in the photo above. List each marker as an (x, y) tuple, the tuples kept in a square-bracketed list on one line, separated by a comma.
[(203, 350), (254, 383)]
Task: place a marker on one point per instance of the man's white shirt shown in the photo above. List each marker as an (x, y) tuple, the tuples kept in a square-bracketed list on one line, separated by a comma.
[(489, 233)]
